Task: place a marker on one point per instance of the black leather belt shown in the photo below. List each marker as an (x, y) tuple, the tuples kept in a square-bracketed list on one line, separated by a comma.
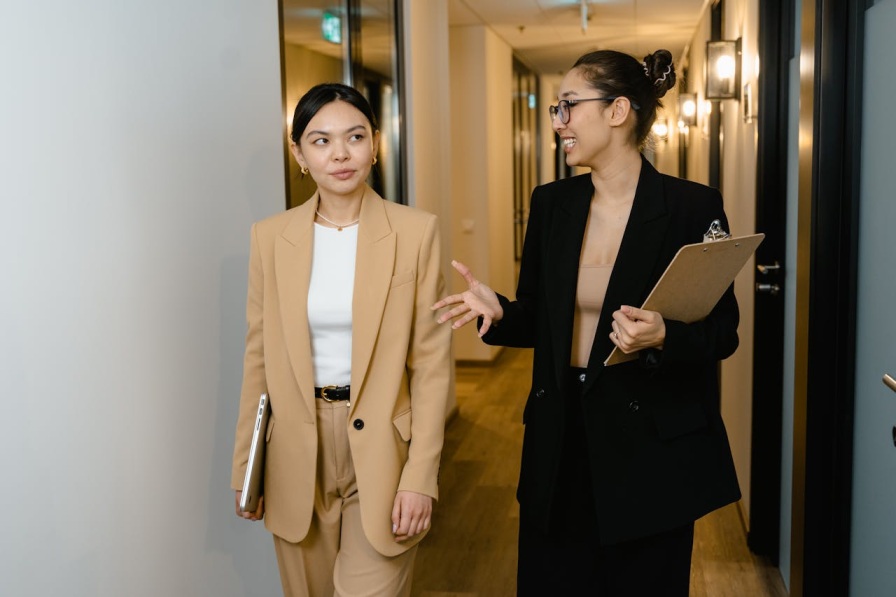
[(333, 393)]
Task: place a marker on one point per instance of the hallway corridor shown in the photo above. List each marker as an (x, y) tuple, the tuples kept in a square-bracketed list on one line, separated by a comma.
[(471, 550)]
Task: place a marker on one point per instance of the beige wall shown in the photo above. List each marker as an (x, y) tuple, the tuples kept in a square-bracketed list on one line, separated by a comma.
[(698, 135), (738, 187), (548, 87), (428, 121), (482, 159), (428, 108), (665, 151)]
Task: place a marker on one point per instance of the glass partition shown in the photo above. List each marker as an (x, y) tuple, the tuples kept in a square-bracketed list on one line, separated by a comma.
[(353, 42), (525, 149)]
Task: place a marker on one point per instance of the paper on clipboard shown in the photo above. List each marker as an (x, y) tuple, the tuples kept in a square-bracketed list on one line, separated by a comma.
[(694, 282)]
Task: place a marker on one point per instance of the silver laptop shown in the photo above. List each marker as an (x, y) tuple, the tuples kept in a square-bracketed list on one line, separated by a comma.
[(253, 484)]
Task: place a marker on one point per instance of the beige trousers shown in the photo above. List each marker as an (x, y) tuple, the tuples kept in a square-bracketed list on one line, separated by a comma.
[(335, 558)]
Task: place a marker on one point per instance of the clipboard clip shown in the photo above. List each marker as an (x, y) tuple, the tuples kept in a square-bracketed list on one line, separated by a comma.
[(715, 232)]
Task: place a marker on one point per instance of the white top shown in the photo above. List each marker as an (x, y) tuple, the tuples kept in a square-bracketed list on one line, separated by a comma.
[(330, 304)]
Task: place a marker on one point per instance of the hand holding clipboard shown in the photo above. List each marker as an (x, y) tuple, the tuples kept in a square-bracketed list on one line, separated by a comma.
[(696, 279)]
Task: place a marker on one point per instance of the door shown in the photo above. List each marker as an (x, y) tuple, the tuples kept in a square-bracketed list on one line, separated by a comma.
[(776, 50), (873, 537)]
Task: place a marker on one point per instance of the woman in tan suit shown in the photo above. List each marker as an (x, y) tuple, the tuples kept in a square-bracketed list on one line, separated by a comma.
[(342, 338)]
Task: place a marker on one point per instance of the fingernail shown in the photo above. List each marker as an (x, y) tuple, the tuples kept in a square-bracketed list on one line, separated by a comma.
[(394, 527)]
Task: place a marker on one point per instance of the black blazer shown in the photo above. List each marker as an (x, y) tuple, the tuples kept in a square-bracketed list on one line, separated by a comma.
[(658, 449)]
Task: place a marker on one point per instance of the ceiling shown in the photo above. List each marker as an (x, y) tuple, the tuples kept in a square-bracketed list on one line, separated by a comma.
[(547, 35)]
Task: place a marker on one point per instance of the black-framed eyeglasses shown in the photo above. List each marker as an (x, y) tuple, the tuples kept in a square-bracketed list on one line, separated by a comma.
[(563, 107)]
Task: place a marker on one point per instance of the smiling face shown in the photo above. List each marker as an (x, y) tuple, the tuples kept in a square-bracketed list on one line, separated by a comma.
[(587, 134), (338, 147), (595, 128)]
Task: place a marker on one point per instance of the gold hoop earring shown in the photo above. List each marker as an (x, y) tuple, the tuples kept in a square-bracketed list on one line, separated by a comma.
[(374, 159), (304, 170)]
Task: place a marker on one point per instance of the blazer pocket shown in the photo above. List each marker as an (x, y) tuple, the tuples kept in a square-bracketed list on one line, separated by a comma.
[(679, 420), (534, 395), (403, 425), (403, 278)]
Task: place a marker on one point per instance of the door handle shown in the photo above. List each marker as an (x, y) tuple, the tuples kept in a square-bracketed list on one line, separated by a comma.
[(772, 289), (890, 383)]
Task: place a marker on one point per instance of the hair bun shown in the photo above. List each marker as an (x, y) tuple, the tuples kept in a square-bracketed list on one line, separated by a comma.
[(658, 67)]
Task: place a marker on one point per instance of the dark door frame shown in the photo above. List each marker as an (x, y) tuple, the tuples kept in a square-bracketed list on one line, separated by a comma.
[(824, 396), (776, 49)]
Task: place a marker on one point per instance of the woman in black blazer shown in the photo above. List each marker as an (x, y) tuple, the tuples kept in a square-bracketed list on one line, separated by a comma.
[(618, 461)]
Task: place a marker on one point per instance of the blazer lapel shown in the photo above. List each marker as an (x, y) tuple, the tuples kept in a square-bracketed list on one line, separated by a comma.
[(373, 277), (633, 272), (562, 268), (292, 266)]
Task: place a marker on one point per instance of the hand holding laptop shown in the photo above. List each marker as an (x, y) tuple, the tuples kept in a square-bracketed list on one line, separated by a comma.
[(257, 515), (249, 500)]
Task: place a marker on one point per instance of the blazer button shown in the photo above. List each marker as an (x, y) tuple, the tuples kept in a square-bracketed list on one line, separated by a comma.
[(539, 393), (358, 424), (634, 406)]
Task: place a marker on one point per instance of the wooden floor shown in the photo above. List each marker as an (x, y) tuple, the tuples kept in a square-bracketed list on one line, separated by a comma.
[(471, 550)]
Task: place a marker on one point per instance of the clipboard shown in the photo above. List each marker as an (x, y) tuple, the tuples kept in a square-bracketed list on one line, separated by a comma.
[(253, 482), (694, 282)]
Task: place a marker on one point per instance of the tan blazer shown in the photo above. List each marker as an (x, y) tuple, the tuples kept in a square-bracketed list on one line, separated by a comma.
[(401, 364)]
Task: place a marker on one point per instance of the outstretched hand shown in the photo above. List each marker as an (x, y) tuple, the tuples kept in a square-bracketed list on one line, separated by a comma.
[(636, 329), (477, 301)]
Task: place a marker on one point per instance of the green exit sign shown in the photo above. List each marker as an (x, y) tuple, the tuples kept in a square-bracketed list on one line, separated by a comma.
[(331, 27)]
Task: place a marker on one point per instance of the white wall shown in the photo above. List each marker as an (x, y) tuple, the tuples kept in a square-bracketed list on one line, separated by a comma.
[(140, 140)]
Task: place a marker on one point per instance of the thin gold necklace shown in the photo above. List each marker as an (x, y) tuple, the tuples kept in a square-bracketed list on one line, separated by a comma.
[(339, 227)]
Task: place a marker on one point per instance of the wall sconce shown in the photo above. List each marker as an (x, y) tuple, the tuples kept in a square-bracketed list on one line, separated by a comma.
[(660, 129), (723, 69), (687, 108)]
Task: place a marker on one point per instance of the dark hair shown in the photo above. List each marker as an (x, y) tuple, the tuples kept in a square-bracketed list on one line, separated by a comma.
[(319, 96), (643, 83)]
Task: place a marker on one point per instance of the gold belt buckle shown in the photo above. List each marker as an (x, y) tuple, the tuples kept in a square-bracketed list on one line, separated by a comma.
[(323, 393)]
